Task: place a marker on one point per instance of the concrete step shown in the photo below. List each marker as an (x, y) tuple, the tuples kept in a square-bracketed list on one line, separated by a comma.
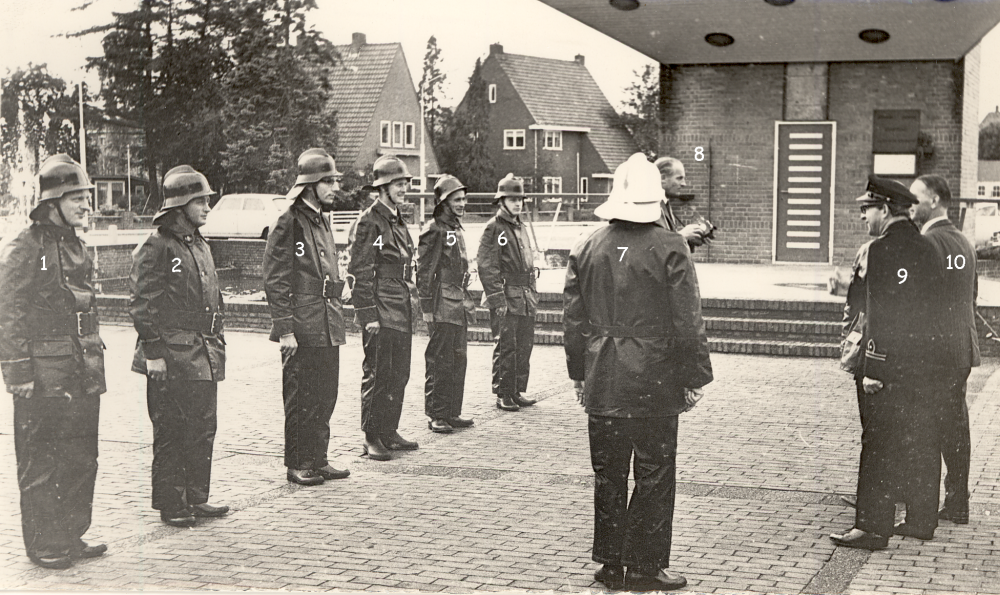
[(770, 328), (781, 348)]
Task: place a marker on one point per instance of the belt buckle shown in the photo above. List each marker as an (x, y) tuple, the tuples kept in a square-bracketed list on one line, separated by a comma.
[(326, 281), (79, 324), (216, 320)]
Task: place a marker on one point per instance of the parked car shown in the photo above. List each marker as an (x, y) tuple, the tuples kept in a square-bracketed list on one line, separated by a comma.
[(244, 215)]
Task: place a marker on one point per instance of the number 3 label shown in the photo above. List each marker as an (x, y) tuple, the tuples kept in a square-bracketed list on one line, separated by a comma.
[(300, 249)]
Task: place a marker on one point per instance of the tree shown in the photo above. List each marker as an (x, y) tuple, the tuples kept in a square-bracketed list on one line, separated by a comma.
[(989, 142), (430, 86), (466, 135), (642, 110)]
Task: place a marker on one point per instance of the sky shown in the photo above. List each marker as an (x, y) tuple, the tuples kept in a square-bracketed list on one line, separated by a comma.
[(464, 30)]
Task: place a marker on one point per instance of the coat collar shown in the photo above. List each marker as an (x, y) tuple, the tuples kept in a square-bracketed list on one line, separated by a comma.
[(448, 219), (178, 225), (506, 216), (308, 211), (387, 213), (936, 222)]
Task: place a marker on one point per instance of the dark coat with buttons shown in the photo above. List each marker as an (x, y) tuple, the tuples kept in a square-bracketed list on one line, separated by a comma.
[(504, 250), (442, 272), (45, 275), (174, 284), (382, 239), (300, 258)]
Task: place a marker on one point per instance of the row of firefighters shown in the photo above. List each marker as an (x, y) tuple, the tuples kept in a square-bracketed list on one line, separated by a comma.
[(53, 361)]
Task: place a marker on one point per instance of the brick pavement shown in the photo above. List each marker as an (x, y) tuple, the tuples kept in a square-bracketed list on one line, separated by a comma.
[(507, 505)]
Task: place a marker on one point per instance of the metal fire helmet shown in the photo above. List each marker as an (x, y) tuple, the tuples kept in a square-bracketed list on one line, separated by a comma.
[(181, 185), (445, 187), (387, 169), (58, 175), (509, 186), (313, 166)]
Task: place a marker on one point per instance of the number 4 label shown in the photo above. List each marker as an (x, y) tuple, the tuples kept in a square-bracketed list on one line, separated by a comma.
[(378, 242)]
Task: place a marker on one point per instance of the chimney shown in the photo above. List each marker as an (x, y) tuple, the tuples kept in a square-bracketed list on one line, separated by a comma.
[(578, 59), (496, 48), (357, 40)]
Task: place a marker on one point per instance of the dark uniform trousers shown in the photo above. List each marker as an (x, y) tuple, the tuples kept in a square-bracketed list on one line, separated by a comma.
[(900, 455), (310, 383), (55, 442), (386, 370), (184, 423), (636, 531), (446, 358), (513, 339), (956, 444)]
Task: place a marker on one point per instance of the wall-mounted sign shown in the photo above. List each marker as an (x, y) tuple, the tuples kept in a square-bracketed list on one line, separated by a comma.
[(896, 131)]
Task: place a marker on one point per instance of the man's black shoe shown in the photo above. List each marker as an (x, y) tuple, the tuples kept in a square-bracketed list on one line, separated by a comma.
[(179, 518), (396, 442), (612, 576), (328, 472), (88, 551), (507, 404), (440, 426), (906, 529), (959, 517), (209, 511), (850, 501), (523, 401), (52, 562), (663, 580), (375, 450), (306, 477), (460, 422), (862, 540)]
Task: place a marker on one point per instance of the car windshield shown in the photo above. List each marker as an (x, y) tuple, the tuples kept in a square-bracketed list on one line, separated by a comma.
[(281, 203), (228, 203)]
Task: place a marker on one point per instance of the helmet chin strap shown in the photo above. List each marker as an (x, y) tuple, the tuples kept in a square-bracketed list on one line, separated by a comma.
[(62, 216)]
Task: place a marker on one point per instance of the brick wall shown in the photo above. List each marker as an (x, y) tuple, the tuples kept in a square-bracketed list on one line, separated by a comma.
[(729, 111)]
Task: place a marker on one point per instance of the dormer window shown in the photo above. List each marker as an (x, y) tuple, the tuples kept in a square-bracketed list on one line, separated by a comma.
[(493, 93)]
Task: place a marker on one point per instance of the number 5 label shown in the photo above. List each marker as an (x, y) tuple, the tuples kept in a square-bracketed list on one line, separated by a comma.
[(451, 240)]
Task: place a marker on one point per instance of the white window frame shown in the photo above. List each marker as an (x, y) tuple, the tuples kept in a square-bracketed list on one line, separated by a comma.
[(410, 135), (552, 184), (584, 185), (385, 133), (996, 191), (511, 137), (552, 140), (492, 93), (415, 182), (397, 134), (981, 191)]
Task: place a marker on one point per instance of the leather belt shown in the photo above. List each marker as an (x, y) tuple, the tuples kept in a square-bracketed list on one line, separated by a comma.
[(393, 271), (78, 324), (518, 278), (452, 278), (631, 332), (326, 289), (209, 323)]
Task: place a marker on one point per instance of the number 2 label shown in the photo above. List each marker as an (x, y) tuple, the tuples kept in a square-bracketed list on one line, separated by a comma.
[(177, 265)]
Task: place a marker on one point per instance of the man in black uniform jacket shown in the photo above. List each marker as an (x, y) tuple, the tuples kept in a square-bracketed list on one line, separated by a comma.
[(900, 404), (53, 364), (961, 340)]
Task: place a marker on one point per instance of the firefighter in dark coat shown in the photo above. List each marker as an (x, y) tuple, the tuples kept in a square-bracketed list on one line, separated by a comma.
[(961, 338), (507, 271), (448, 309), (177, 309), (899, 399), (381, 263), (53, 363), (303, 288), (638, 355)]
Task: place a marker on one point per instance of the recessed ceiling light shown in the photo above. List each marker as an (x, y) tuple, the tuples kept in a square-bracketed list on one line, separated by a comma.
[(779, 2), (874, 35), (625, 4), (719, 39)]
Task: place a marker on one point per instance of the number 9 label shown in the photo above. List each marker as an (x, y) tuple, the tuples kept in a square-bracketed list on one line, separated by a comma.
[(901, 273)]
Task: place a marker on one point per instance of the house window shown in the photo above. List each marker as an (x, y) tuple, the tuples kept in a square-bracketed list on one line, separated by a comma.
[(584, 185), (415, 182), (552, 185), (386, 140), (553, 140), (493, 93), (996, 192), (981, 191), (397, 134), (411, 137), (513, 139)]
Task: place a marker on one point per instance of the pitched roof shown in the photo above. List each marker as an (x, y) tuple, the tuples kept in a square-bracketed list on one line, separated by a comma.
[(562, 93), (990, 119), (356, 85), (989, 171)]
